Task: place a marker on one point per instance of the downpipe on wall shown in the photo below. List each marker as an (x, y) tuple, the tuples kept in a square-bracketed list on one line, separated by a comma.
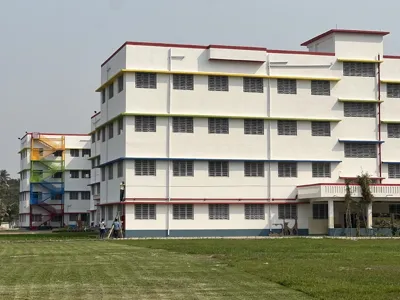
[(168, 180), (379, 120)]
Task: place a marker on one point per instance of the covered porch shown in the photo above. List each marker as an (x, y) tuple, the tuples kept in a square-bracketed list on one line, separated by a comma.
[(328, 216)]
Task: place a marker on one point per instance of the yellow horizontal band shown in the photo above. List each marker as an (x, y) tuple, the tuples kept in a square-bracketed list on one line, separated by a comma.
[(360, 60), (217, 116), (360, 100), (109, 81), (390, 81), (390, 122)]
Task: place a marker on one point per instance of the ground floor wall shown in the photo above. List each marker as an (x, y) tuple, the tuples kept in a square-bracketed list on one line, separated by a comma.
[(160, 220)]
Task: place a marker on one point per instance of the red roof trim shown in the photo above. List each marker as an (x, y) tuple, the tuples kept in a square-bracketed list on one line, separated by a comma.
[(112, 55), (204, 199), (341, 184), (300, 52), (332, 31), (392, 56), (237, 47), (96, 114), (66, 134)]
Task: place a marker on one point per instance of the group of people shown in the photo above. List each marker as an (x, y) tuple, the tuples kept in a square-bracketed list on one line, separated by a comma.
[(116, 229)]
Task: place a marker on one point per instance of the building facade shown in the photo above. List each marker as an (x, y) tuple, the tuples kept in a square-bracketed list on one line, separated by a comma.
[(54, 180), (237, 141)]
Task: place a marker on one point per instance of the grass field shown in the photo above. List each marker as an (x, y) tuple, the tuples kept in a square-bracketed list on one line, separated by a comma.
[(199, 269)]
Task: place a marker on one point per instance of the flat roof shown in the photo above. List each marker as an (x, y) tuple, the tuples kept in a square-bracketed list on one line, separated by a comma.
[(348, 31)]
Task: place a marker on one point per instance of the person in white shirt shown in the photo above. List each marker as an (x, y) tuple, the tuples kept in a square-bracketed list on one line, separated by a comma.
[(102, 229)]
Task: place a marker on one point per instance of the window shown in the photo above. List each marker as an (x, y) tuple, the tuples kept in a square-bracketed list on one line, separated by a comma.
[(321, 170), (145, 167), (319, 128), (110, 213), (120, 125), (287, 211), (183, 82), (320, 87), (253, 85), (98, 160), (182, 212), (98, 134), (182, 124), (58, 153), (103, 174), (394, 208), (393, 131), (36, 218), (287, 86), (287, 169), (218, 211), (146, 80), (360, 150), (218, 83), (74, 152), (218, 125), (74, 174), (56, 196), (145, 124), (254, 126), (73, 217), (320, 211), (103, 134), (182, 168), (218, 169), (93, 137), (103, 96), (120, 83), (110, 130), (253, 169), (93, 163), (73, 195), (111, 90), (110, 172), (57, 175), (393, 90), (287, 127), (394, 170), (359, 69), (85, 195), (145, 211), (359, 110), (120, 169), (86, 152), (254, 211), (98, 189), (85, 174)]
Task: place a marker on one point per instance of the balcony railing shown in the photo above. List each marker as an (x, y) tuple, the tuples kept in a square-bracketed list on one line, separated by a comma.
[(338, 190)]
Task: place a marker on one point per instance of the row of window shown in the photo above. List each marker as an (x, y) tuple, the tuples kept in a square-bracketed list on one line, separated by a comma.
[(250, 126), (185, 168), (76, 152), (74, 174), (84, 195), (109, 130), (252, 84), (71, 217), (221, 211)]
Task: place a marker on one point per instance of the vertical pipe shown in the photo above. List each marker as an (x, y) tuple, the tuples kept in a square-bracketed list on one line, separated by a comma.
[(269, 144), (379, 120), (168, 179)]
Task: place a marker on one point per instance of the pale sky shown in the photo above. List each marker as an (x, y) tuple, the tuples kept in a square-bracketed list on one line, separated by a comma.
[(51, 50)]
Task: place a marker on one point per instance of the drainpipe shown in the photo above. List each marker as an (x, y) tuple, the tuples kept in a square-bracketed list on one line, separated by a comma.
[(168, 179), (269, 144), (379, 120)]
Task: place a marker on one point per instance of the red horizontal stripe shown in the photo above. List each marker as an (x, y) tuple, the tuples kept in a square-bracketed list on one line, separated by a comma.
[(337, 184), (351, 31), (300, 52), (237, 47), (392, 56)]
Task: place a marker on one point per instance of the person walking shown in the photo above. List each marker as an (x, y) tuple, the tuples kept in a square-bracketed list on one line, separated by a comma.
[(102, 229), (117, 228)]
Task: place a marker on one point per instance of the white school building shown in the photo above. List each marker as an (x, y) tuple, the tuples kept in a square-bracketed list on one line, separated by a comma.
[(54, 180), (217, 140)]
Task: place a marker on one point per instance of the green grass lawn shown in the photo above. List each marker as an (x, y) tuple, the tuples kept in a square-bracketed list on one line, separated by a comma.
[(200, 269)]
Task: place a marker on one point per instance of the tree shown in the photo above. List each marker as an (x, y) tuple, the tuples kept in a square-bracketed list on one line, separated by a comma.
[(9, 197), (348, 202)]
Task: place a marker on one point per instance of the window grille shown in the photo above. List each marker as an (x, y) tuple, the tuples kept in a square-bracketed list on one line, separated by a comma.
[(321, 170), (320, 211), (145, 211), (218, 125), (182, 124), (287, 86), (287, 127), (146, 80), (393, 90), (360, 110), (183, 168), (393, 131), (218, 169), (287, 169), (218, 211), (218, 83), (182, 212), (145, 167), (145, 124), (254, 211), (253, 85), (360, 150), (254, 126), (359, 69), (254, 169), (394, 170), (287, 211), (319, 128), (183, 82), (320, 87)]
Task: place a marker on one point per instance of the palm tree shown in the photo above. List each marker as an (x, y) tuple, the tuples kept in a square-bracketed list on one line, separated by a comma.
[(4, 177)]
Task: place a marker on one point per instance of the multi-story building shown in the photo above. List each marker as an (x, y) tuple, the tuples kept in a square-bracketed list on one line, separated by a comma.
[(226, 140), (55, 177)]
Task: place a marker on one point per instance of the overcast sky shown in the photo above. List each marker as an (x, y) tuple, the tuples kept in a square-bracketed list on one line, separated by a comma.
[(51, 50)]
